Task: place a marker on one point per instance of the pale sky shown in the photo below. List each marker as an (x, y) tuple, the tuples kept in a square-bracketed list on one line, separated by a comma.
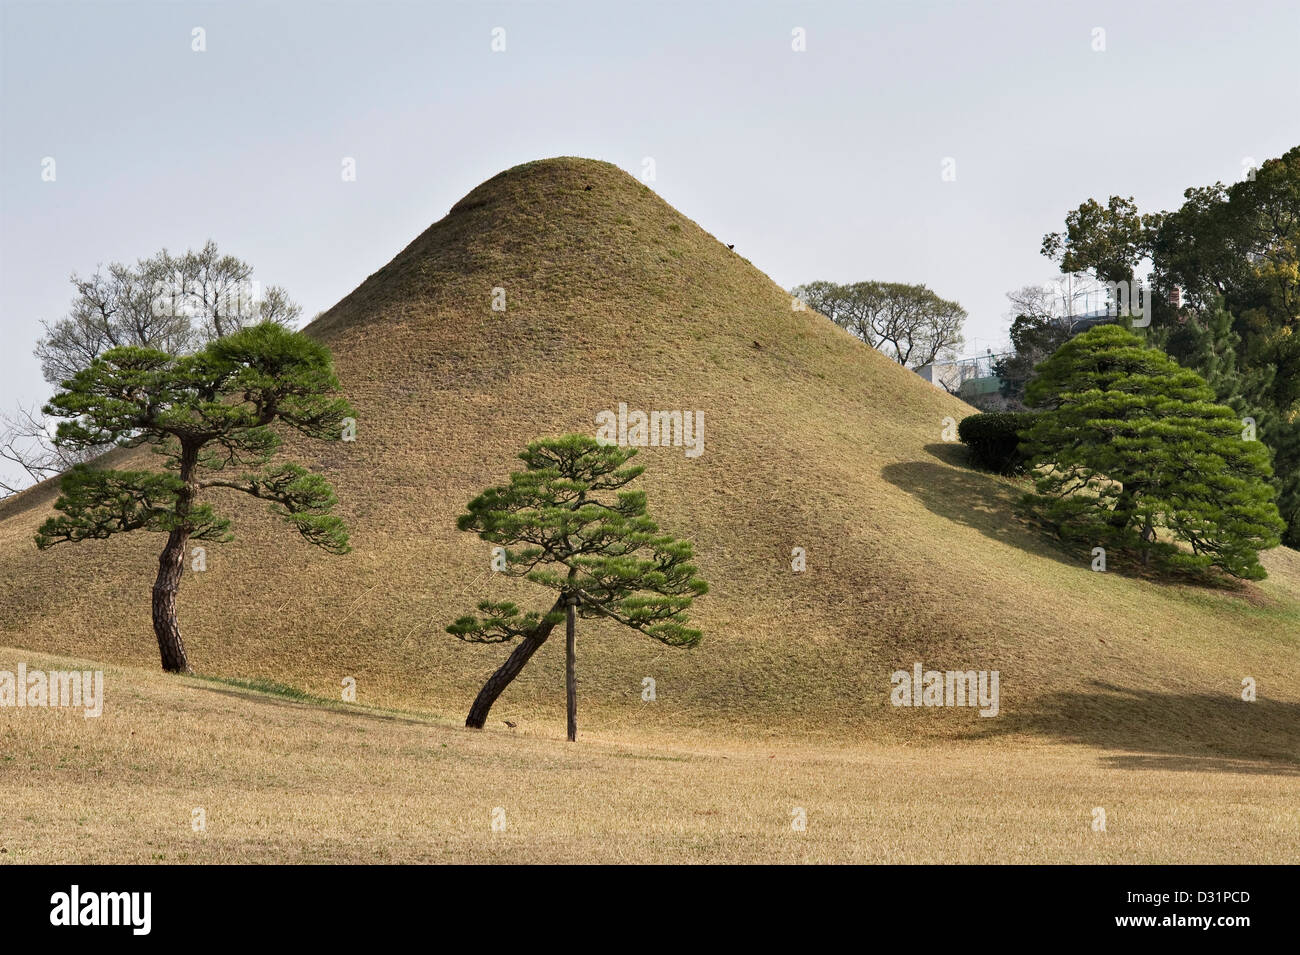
[(821, 164)]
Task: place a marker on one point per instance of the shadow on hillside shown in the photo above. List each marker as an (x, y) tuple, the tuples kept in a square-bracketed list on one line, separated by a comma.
[(975, 499), (992, 506), (950, 452), (1197, 732)]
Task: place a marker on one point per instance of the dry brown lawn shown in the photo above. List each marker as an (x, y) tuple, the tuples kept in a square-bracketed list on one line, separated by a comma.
[(285, 781)]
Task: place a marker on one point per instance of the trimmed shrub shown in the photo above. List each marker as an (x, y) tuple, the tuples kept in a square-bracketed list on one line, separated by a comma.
[(993, 439), (1131, 450)]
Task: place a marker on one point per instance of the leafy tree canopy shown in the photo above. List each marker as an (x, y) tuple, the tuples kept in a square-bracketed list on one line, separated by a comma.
[(568, 523), (210, 416), (1133, 453), (909, 323)]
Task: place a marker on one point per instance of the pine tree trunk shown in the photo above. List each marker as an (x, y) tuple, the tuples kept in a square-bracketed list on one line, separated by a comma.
[(497, 682), (171, 565), (571, 668), (165, 626), (1122, 514)]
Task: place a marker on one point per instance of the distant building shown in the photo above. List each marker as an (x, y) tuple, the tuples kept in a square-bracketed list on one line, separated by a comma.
[(945, 375), (968, 378), (974, 379)]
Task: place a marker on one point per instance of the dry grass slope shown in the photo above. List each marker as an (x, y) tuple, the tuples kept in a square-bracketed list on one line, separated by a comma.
[(285, 781), (812, 440)]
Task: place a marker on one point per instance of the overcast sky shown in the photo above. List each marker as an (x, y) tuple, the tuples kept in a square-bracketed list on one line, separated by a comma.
[(825, 163)]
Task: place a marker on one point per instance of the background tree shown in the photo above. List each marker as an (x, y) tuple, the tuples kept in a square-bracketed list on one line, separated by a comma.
[(566, 523), (168, 303), (26, 444), (1235, 248), (210, 416), (828, 298), (1197, 247), (1032, 341), (1207, 342), (1130, 444), (1238, 242), (1060, 302), (909, 323), (1107, 241), (1045, 317)]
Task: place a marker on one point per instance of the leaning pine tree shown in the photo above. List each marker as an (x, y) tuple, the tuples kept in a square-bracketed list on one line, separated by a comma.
[(566, 523), (1131, 452), (209, 415)]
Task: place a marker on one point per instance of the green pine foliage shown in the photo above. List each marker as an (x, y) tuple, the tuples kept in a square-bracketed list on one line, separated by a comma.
[(97, 504), (1209, 344), (1131, 452), (1281, 432), (567, 523), (209, 416)]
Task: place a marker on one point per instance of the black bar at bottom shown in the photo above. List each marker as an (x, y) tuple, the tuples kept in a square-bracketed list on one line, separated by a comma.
[(1226, 904)]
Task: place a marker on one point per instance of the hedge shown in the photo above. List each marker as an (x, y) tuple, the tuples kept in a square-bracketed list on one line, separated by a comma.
[(993, 439)]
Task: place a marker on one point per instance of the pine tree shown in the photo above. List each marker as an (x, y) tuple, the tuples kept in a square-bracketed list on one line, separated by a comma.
[(567, 524), (1210, 346), (1212, 353), (1132, 453), (209, 415), (1280, 430)]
